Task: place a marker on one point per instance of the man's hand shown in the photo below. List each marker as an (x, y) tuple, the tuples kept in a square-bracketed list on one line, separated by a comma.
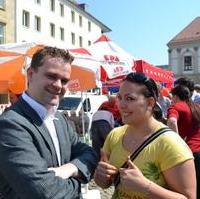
[(65, 171)]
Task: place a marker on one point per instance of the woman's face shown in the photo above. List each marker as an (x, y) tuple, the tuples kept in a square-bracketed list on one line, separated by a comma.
[(133, 105)]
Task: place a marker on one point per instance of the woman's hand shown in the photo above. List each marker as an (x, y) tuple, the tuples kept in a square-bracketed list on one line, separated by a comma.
[(132, 178), (105, 172)]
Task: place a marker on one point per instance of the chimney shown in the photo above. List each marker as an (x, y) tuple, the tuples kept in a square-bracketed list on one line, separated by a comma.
[(83, 6)]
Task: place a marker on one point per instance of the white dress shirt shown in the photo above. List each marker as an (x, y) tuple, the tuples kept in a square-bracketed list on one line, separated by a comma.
[(47, 116)]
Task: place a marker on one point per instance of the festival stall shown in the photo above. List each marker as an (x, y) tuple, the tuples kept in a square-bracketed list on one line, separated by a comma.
[(110, 62), (164, 77), (114, 61)]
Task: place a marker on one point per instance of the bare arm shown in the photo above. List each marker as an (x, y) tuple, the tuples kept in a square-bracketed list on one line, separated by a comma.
[(172, 123), (180, 185), (182, 179)]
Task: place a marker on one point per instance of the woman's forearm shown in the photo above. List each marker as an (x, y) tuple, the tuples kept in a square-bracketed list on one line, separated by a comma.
[(153, 191)]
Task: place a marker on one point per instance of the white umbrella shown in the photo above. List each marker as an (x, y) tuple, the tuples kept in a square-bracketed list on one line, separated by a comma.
[(115, 61)]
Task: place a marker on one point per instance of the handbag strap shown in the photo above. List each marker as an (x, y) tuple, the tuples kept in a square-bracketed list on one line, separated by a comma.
[(139, 149)]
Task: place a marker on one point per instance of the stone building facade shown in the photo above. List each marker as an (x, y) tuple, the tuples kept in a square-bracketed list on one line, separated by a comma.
[(7, 21), (184, 52), (60, 23)]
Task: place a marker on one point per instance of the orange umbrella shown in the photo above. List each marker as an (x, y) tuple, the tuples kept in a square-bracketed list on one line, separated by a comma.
[(24, 48), (82, 79), (4, 86), (12, 63), (7, 53), (34, 49), (12, 77)]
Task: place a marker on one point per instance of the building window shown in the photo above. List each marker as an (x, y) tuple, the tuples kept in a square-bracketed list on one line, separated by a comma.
[(52, 30), (89, 43), (73, 38), (2, 33), (37, 23), (62, 34), (73, 16), (89, 26), (61, 10), (80, 41), (52, 5), (2, 4), (26, 18), (187, 63), (38, 1), (80, 21)]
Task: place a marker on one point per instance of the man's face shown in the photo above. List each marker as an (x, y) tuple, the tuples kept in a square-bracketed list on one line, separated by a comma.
[(48, 83)]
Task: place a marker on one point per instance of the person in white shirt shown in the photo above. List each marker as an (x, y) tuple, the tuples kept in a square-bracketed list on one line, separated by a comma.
[(102, 123)]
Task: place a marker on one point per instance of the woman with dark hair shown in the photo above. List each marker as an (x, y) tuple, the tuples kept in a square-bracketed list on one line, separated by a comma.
[(184, 118), (161, 169)]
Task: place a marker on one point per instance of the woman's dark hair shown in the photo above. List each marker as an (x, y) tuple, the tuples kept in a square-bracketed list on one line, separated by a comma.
[(150, 89), (184, 81), (184, 94)]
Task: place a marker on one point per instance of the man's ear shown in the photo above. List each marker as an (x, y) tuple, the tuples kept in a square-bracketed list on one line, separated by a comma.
[(29, 72)]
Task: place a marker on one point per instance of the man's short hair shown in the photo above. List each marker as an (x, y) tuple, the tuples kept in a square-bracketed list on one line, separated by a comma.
[(50, 52)]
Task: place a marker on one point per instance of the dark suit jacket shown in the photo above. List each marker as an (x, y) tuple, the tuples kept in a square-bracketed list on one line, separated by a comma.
[(27, 150)]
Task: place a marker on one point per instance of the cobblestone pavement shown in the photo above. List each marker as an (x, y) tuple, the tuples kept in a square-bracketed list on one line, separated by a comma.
[(105, 193)]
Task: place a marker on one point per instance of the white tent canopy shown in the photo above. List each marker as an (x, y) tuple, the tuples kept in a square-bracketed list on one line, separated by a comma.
[(114, 60)]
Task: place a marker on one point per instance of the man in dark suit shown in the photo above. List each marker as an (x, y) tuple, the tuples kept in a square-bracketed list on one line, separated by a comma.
[(40, 155)]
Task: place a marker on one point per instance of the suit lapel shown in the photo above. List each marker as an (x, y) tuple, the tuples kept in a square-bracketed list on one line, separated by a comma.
[(60, 130), (34, 118), (45, 134)]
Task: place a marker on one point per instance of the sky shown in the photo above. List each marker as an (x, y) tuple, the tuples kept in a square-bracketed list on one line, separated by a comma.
[(144, 27)]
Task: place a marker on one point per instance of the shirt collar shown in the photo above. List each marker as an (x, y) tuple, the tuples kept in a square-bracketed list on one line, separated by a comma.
[(39, 108)]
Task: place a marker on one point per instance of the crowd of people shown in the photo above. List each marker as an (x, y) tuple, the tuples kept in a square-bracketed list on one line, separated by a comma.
[(145, 140)]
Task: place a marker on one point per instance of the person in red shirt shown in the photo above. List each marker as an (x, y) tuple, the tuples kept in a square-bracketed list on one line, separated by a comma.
[(111, 105), (184, 118)]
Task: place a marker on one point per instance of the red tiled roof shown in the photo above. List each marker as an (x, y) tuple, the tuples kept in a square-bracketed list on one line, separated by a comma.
[(189, 33)]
